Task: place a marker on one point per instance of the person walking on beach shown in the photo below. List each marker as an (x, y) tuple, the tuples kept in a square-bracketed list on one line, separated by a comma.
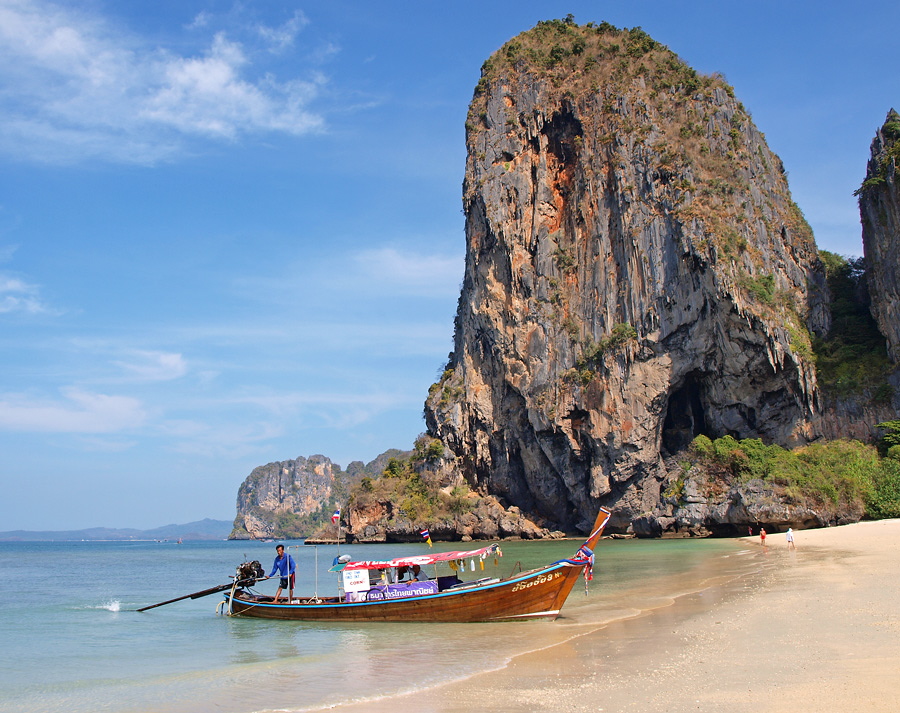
[(790, 539), (762, 535), (284, 565)]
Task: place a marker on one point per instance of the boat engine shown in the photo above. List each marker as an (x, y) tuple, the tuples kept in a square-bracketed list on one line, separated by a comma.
[(248, 572)]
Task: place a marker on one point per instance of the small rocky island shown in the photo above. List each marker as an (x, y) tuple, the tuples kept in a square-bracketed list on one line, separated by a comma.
[(645, 323)]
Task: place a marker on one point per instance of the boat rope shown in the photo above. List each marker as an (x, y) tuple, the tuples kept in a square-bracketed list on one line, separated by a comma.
[(248, 604), (231, 598)]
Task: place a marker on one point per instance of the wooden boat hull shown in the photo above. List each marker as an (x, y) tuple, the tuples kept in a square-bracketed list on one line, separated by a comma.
[(531, 595), (536, 594)]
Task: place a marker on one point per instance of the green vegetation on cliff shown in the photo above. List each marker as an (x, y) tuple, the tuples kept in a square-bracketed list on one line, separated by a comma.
[(840, 476), (891, 156), (413, 487), (292, 526), (852, 360)]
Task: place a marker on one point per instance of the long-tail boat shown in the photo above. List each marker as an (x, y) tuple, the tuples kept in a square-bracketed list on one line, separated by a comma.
[(534, 594)]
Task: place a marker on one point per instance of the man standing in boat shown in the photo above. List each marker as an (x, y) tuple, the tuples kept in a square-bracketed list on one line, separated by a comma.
[(284, 565)]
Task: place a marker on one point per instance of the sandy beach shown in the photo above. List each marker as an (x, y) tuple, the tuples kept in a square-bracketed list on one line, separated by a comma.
[(811, 629)]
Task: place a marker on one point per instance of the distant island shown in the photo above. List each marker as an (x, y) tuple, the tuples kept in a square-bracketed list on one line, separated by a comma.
[(205, 529)]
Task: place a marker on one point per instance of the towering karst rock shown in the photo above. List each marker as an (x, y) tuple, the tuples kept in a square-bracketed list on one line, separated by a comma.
[(879, 207), (636, 274)]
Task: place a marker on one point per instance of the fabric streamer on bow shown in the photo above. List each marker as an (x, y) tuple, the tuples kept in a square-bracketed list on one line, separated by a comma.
[(584, 553)]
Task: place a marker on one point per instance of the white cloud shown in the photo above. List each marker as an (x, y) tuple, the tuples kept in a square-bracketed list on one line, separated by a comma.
[(283, 37), (19, 296), (229, 440), (207, 96), (277, 413), (308, 336), (334, 409), (74, 87), (382, 272), (154, 366), (410, 272), (77, 412), (100, 444), (201, 20)]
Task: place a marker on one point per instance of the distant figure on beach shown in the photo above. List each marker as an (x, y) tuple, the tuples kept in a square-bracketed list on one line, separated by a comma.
[(284, 565), (762, 535), (790, 539), (749, 530)]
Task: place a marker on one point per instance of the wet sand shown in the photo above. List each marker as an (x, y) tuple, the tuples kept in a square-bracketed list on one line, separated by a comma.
[(811, 629)]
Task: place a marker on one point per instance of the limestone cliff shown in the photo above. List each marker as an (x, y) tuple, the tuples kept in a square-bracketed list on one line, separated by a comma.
[(296, 498), (273, 499), (636, 274), (879, 205)]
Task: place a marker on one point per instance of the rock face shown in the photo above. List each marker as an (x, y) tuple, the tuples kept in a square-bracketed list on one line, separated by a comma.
[(295, 498), (636, 274), (288, 488), (879, 206)]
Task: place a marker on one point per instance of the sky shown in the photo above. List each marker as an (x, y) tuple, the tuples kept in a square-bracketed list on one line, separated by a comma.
[(231, 232)]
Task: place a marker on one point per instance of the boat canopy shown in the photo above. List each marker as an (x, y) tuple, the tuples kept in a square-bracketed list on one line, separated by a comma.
[(492, 550)]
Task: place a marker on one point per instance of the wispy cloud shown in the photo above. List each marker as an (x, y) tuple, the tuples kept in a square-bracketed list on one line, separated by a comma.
[(153, 366), (375, 273), (409, 272), (78, 411), (77, 87), (333, 408), (229, 440), (267, 416), (282, 37), (19, 296)]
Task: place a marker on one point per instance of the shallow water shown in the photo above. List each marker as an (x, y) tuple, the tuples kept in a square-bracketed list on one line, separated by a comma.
[(73, 642)]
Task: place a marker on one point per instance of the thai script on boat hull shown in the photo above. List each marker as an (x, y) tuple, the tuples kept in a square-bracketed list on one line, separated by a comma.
[(537, 580)]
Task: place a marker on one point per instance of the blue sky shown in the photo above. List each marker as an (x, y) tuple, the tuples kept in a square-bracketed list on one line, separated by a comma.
[(231, 232)]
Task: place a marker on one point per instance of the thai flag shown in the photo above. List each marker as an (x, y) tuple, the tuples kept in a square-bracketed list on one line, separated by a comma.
[(336, 516), (426, 536)]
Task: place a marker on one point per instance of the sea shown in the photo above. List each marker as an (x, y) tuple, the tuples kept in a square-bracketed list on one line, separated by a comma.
[(72, 641)]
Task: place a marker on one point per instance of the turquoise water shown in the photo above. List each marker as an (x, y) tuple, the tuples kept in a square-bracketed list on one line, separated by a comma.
[(73, 642)]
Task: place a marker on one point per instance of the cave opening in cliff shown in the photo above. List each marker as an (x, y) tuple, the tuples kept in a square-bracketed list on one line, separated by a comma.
[(685, 415), (563, 133)]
